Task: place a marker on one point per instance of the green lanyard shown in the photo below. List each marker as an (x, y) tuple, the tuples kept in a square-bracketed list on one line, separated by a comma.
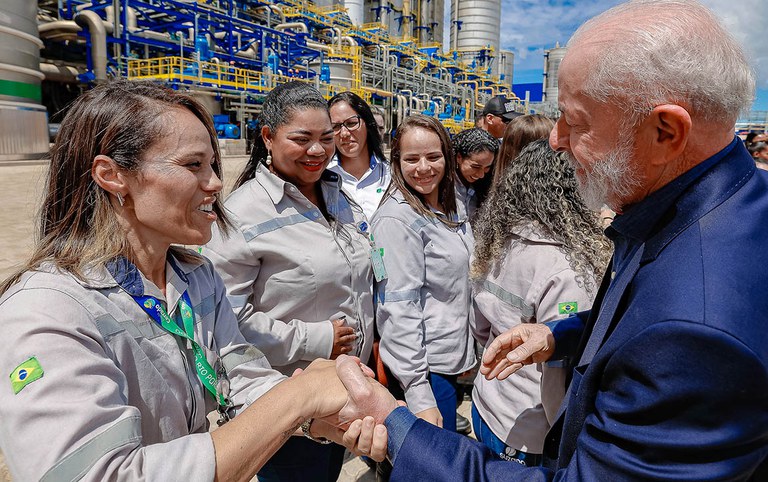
[(208, 376)]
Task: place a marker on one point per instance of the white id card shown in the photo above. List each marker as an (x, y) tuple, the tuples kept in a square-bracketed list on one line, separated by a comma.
[(377, 260)]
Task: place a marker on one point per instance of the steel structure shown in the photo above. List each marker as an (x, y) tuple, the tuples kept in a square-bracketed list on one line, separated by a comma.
[(232, 52)]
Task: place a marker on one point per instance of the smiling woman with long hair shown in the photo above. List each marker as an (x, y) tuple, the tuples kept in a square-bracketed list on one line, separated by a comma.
[(118, 342), (539, 255), (423, 299)]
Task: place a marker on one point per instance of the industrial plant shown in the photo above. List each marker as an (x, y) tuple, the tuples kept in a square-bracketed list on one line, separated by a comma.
[(231, 53)]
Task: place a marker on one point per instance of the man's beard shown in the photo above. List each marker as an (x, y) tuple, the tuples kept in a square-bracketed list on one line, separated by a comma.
[(611, 178)]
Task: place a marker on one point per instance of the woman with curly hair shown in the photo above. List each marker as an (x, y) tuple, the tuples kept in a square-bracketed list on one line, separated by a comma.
[(475, 150), (539, 254)]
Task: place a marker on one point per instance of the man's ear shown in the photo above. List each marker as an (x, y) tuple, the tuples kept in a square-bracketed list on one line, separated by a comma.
[(672, 127), (109, 176)]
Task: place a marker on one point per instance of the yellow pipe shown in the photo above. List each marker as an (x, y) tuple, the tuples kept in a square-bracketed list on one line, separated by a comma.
[(383, 93)]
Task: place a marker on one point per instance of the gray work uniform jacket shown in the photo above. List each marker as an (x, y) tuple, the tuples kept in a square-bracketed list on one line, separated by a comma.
[(423, 306), (533, 283), (119, 397), (288, 271), (466, 200)]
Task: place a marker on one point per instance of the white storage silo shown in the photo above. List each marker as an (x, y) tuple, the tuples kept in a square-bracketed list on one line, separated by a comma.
[(23, 119), (480, 22), (552, 59), (506, 66)]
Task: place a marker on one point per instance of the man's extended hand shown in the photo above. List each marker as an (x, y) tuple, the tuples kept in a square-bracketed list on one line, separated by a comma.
[(522, 345), (365, 396)]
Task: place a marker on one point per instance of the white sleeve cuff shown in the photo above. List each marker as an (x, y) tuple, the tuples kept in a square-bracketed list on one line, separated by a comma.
[(319, 342), (420, 397)]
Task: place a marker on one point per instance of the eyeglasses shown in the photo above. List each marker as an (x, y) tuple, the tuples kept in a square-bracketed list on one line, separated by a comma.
[(351, 124), (503, 119)]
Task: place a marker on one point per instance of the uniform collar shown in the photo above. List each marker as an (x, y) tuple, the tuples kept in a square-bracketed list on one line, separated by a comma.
[(462, 189), (128, 277), (277, 188), (335, 163), (533, 232), (397, 195)]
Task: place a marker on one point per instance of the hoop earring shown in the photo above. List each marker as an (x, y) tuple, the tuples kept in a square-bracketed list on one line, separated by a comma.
[(120, 199), (268, 160)]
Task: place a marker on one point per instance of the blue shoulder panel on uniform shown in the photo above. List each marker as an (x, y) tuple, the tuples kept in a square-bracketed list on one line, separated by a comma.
[(420, 222), (277, 223), (127, 275)]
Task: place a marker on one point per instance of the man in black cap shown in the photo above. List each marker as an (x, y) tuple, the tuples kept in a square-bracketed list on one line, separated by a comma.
[(496, 113)]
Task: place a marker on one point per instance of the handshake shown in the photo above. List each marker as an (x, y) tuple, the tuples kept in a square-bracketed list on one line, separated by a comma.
[(350, 407)]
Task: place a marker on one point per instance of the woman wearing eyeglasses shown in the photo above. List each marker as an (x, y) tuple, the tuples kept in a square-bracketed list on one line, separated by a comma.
[(359, 159), (297, 266)]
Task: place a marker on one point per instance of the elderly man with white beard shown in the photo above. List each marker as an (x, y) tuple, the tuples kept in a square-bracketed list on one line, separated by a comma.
[(669, 370)]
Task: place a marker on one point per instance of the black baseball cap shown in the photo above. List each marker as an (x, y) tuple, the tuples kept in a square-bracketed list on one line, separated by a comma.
[(501, 107)]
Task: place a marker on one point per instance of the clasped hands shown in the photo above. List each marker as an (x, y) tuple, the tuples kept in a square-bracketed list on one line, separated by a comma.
[(351, 406)]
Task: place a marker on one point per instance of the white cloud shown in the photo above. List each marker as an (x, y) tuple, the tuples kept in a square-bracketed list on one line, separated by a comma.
[(746, 22), (530, 26)]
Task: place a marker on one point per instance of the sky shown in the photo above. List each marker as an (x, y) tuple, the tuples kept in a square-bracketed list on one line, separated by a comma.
[(528, 27)]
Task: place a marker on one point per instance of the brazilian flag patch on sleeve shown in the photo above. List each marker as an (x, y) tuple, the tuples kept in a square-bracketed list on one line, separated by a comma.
[(26, 373), (567, 308)]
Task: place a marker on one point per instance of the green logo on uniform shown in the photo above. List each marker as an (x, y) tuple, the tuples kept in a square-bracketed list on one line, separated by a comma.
[(567, 308), (26, 373), (149, 304)]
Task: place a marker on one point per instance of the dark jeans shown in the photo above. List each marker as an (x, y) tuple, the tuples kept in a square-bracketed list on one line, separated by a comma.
[(488, 438), (302, 460), (444, 388)]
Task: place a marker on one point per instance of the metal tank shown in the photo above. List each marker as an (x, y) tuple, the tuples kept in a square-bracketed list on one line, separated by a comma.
[(395, 26), (340, 73), (23, 120), (506, 66), (431, 17), (552, 59), (480, 24), (355, 11)]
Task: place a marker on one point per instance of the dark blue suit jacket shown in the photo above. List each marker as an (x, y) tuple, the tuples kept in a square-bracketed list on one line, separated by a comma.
[(678, 389)]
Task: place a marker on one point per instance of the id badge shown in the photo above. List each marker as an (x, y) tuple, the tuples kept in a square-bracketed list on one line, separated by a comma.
[(379, 271)]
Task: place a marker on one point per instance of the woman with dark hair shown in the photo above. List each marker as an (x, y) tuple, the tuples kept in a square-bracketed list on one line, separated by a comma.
[(359, 159), (759, 152), (475, 151), (423, 298), (297, 267), (755, 137), (520, 132), (117, 341), (539, 255)]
